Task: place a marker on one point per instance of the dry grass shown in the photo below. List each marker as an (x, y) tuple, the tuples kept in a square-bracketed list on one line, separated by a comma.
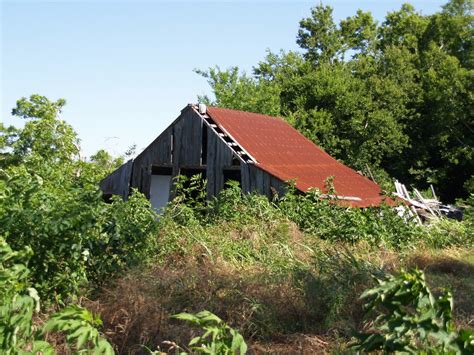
[(276, 313), (285, 291), (295, 344), (452, 269), (265, 308)]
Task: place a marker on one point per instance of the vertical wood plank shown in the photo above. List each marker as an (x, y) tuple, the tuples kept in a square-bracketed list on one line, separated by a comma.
[(244, 173), (266, 184), (278, 185), (218, 168), (118, 182), (177, 142), (211, 162)]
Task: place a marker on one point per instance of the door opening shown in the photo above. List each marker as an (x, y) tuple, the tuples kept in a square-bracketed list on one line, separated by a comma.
[(160, 187)]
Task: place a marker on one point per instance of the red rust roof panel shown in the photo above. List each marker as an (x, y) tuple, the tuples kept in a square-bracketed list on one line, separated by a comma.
[(285, 153)]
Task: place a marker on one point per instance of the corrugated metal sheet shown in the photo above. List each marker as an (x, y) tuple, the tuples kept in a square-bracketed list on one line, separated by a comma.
[(283, 152)]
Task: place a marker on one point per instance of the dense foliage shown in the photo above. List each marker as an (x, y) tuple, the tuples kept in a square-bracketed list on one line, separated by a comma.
[(389, 99), (50, 202), (19, 303), (411, 319), (324, 218)]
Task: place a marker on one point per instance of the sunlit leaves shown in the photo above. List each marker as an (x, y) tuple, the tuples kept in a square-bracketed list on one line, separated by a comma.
[(394, 98), (50, 202), (218, 337), (411, 319), (19, 303)]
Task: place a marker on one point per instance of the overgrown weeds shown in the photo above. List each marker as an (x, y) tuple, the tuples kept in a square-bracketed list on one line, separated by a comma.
[(263, 306), (314, 214), (271, 269), (19, 303), (316, 294), (411, 319)]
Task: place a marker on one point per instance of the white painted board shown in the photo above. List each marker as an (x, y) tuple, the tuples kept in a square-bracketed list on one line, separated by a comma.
[(160, 191)]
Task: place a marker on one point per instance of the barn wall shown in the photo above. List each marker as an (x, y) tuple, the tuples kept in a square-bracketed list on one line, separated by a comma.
[(179, 146), (219, 156), (157, 153), (118, 182), (187, 139), (257, 180)]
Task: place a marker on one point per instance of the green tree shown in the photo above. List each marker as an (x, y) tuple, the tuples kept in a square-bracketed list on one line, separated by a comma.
[(241, 92), (50, 202), (44, 137), (394, 98)]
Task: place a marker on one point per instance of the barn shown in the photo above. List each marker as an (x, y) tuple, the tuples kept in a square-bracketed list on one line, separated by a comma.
[(259, 151)]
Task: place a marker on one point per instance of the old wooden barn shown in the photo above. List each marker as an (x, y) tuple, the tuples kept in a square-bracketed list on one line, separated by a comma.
[(261, 152)]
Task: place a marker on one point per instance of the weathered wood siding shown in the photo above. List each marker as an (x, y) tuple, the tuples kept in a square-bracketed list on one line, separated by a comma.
[(180, 146), (187, 139), (257, 180), (219, 156), (157, 153), (118, 182)]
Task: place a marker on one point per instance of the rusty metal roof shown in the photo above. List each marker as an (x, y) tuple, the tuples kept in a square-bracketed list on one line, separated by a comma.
[(285, 153)]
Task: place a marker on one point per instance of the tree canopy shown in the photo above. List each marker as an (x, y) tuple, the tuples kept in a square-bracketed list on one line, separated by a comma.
[(50, 202), (393, 99)]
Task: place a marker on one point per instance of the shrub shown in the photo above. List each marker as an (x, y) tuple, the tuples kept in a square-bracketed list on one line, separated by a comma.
[(411, 320), (326, 219), (231, 205), (447, 232), (321, 217), (128, 236), (50, 202), (55, 220), (18, 304), (75, 236), (189, 205), (218, 337)]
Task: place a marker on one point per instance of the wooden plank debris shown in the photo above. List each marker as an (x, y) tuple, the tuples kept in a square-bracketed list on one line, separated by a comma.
[(423, 209)]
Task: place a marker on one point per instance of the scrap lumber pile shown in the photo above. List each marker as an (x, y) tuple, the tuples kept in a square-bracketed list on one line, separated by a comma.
[(425, 209)]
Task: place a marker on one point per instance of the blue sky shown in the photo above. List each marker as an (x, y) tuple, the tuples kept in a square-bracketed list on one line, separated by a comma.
[(126, 67)]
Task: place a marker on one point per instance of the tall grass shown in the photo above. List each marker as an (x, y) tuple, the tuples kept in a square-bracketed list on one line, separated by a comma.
[(314, 215), (271, 269)]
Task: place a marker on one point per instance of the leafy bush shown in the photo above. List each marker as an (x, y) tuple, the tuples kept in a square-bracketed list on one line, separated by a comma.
[(128, 236), (231, 205), (79, 327), (468, 205), (189, 205), (328, 220), (18, 304), (411, 319), (50, 202), (74, 234), (53, 219), (447, 232), (218, 337), (321, 217)]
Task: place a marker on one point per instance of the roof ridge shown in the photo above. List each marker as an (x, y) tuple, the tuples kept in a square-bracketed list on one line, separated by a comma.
[(247, 112)]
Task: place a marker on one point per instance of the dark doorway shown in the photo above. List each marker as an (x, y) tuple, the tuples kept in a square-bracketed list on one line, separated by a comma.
[(232, 175), (189, 172), (194, 188)]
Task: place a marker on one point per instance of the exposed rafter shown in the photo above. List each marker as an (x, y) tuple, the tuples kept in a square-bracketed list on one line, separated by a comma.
[(238, 150)]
